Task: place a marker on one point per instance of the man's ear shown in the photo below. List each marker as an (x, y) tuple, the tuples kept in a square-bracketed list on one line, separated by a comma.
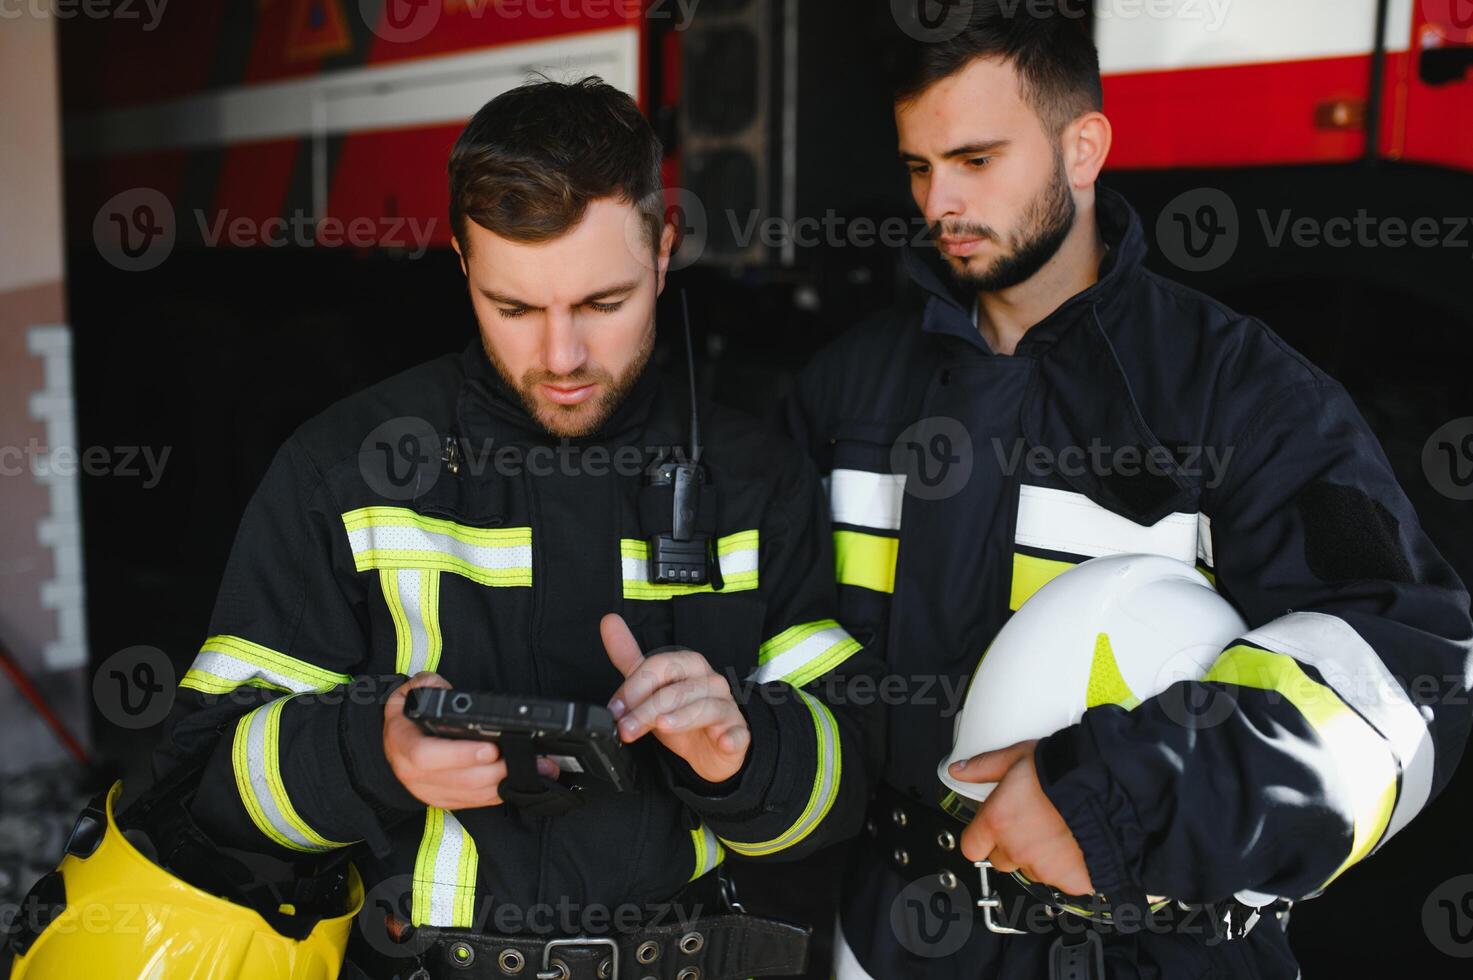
[(455, 244), (662, 257), (1087, 143)]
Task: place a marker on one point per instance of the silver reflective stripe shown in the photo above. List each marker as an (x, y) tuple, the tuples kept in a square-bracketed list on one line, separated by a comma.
[(1358, 676), (709, 852), (376, 539), (444, 873), (866, 499), (413, 598), (637, 569), (825, 786), (227, 662), (1068, 522), (790, 662), (257, 764)]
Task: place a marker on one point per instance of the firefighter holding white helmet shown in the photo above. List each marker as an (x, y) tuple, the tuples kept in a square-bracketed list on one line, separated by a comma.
[(1049, 400)]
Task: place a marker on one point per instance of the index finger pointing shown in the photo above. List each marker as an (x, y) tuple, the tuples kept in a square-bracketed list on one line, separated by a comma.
[(622, 647)]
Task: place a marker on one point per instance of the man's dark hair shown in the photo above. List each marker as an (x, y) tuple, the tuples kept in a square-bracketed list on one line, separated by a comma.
[(1048, 44), (529, 162)]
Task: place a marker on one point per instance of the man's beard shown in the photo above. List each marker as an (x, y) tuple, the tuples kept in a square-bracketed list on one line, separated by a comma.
[(1045, 225), (575, 421)]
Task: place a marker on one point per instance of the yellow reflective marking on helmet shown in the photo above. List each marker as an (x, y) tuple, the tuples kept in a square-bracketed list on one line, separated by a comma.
[(866, 561), (1106, 683), (1363, 758), (1031, 574), (825, 785)]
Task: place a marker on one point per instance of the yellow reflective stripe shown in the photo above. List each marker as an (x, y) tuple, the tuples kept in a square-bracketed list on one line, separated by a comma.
[(256, 760), (413, 598), (227, 662), (480, 537), (865, 560), (738, 552), (708, 851), (1363, 759), (1031, 574), (396, 537), (444, 888), (803, 652), (825, 786)]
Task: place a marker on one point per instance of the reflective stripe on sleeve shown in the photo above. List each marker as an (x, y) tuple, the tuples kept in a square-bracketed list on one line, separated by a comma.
[(825, 786), (225, 663), (256, 759), (801, 653), (708, 851), (1362, 760), (1357, 674)]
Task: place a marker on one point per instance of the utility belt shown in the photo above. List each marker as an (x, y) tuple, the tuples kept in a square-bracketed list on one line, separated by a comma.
[(728, 945), (918, 840)]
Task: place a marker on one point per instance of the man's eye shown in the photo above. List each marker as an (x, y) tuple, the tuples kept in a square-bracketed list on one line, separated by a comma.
[(605, 307), (512, 314)]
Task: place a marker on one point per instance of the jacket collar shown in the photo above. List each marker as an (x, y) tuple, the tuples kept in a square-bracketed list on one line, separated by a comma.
[(948, 309)]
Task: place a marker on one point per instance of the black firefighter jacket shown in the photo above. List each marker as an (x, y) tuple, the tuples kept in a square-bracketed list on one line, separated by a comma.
[(1333, 721), (496, 576)]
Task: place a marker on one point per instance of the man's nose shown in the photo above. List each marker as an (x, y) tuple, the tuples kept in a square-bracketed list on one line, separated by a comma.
[(941, 200), (563, 349)]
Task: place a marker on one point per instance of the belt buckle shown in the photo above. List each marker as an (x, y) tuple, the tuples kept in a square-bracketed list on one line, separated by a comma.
[(990, 902), (563, 972)]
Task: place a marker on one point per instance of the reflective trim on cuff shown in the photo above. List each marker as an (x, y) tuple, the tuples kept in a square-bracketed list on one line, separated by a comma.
[(256, 759), (825, 786)]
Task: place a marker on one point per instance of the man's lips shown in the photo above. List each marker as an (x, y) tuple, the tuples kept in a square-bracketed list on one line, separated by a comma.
[(568, 395), (959, 246)]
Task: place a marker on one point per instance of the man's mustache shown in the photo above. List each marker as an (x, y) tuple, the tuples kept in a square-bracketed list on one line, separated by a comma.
[(942, 230)]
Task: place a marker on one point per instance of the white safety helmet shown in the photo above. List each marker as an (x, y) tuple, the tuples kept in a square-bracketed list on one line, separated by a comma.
[(1114, 630)]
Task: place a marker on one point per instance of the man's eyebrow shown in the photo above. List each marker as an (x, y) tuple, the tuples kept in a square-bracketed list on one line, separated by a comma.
[(593, 297), (607, 291), (504, 300), (978, 148)]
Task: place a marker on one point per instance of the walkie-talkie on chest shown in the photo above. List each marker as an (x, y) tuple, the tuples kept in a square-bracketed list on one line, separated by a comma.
[(678, 504)]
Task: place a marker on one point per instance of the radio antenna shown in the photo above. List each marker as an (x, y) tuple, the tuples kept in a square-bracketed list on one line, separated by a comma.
[(690, 365)]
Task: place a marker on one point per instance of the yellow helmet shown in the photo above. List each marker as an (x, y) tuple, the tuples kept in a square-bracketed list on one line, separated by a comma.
[(109, 911)]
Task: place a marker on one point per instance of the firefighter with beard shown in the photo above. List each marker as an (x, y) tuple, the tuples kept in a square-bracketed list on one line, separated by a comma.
[(1049, 400)]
